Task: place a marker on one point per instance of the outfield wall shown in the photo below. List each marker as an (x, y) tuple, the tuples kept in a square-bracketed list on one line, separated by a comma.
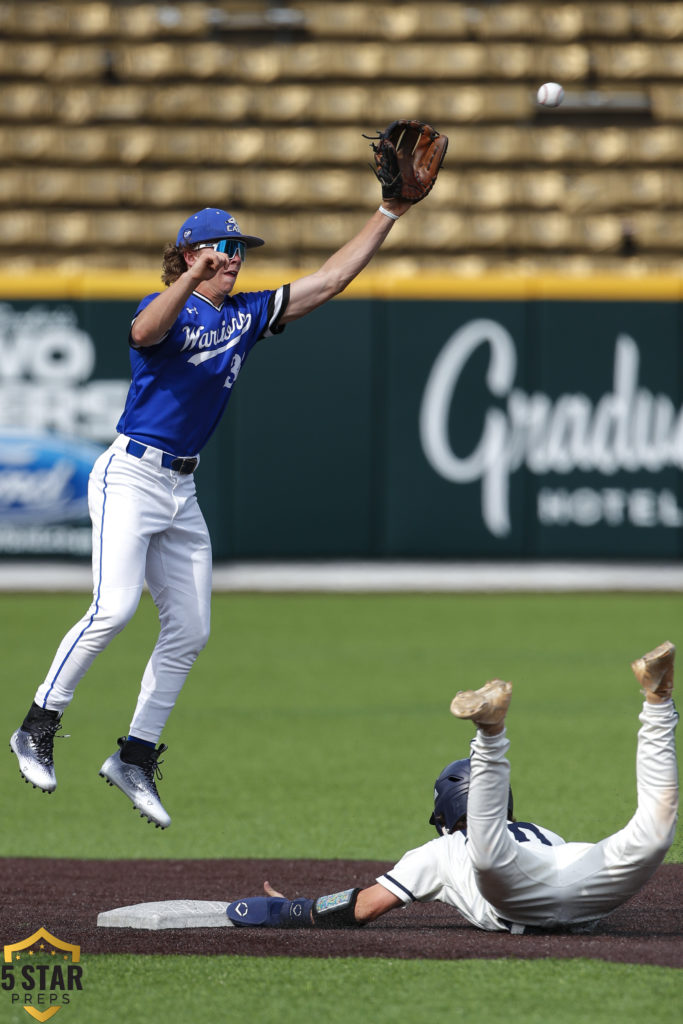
[(428, 419)]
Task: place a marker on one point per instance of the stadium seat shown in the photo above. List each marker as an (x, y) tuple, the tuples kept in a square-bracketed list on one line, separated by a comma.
[(37, 20), (480, 103), (323, 231), (67, 186), (658, 230), (146, 63), (608, 20), (667, 102), (218, 186), (186, 103), (539, 188), (568, 63), (26, 101), (484, 190), (603, 233), (82, 62), (289, 103), (27, 61), (551, 230), (283, 233), (21, 227), (560, 144), (348, 103), (438, 231), (561, 22), (441, 20), (84, 145), (354, 20), (658, 144), (651, 187), (486, 231), (507, 21), (14, 185), (152, 20), (19, 143), (629, 60), (658, 20), (385, 21), (505, 144), (88, 20), (129, 104)]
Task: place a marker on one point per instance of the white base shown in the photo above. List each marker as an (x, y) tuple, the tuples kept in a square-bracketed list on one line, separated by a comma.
[(167, 914)]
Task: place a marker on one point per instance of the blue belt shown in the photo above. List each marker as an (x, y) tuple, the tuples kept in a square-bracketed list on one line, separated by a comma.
[(168, 461)]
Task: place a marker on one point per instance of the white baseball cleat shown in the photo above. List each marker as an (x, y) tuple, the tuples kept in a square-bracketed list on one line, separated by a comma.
[(137, 781), (34, 753), (655, 671), (486, 706), (33, 744)]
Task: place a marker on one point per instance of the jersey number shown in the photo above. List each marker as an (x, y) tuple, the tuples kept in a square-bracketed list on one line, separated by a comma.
[(519, 828)]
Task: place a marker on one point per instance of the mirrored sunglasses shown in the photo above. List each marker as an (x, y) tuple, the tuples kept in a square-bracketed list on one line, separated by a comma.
[(230, 246)]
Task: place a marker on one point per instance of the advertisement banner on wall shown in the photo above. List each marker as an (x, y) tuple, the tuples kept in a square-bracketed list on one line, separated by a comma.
[(58, 411), (552, 429)]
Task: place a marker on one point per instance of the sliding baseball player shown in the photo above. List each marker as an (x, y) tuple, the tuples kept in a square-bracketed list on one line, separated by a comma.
[(508, 875)]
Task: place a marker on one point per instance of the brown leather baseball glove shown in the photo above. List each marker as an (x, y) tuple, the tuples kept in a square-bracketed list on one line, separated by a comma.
[(408, 155)]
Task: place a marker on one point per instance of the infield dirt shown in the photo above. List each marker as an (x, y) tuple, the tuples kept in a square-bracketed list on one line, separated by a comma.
[(65, 897)]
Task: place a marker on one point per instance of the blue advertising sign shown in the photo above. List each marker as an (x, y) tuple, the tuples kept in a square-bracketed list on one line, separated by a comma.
[(44, 477), (57, 413)]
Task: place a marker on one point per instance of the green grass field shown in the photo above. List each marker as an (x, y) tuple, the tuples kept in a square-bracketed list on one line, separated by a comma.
[(314, 726)]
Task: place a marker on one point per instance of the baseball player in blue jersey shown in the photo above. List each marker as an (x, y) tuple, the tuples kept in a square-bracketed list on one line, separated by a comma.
[(188, 345), (508, 875)]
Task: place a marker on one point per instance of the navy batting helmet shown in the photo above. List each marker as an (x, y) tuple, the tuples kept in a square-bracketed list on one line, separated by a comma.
[(450, 796)]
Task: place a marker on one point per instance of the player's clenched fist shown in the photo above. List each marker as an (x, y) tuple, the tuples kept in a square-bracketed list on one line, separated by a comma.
[(207, 263)]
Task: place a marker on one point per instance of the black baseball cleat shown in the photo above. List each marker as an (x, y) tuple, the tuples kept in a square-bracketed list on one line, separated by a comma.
[(33, 744), (133, 768)]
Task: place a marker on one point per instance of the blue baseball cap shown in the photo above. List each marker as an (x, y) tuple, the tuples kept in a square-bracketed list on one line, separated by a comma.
[(208, 225)]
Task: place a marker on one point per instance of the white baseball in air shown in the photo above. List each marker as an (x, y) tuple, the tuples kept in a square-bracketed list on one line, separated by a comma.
[(550, 95)]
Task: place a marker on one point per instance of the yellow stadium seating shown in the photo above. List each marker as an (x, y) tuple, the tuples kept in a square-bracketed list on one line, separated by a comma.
[(117, 119)]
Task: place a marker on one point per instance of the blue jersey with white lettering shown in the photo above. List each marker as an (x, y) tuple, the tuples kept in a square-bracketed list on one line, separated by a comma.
[(181, 386)]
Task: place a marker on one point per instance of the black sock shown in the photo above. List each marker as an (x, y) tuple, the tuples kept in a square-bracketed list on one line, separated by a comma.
[(38, 714), (133, 752)]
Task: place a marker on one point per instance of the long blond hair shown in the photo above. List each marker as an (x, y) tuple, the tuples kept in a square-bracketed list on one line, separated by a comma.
[(173, 263)]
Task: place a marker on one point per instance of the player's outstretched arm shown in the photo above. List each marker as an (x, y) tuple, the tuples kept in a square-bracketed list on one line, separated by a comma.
[(352, 907), (371, 903), (407, 157), (307, 293), (375, 901)]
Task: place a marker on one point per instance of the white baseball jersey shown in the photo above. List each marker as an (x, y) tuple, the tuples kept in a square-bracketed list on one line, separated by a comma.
[(442, 870)]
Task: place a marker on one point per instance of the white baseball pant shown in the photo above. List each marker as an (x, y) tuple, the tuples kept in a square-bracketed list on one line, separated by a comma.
[(554, 886), (147, 525)]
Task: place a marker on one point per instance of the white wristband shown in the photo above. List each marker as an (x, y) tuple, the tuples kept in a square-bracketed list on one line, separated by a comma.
[(388, 213)]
